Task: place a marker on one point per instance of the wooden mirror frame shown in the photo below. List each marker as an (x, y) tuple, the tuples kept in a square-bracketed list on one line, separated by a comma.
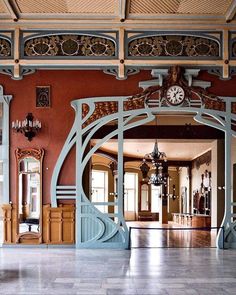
[(28, 237)]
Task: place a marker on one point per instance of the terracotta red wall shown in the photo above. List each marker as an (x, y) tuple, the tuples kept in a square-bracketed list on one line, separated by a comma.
[(57, 120)]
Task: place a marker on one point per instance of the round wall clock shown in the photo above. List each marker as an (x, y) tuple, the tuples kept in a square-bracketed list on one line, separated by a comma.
[(175, 95)]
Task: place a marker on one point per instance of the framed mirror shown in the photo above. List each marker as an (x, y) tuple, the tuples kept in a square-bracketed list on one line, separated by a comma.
[(29, 195)]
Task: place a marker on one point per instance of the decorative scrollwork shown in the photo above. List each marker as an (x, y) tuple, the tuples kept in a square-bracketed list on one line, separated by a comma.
[(134, 104), (5, 47), (35, 153), (175, 77), (101, 110), (173, 45), (70, 45)]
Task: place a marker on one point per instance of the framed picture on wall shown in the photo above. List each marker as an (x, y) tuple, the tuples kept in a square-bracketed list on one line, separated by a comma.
[(43, 97)]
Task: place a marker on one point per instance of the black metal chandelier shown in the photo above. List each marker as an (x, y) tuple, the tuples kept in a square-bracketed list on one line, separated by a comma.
[(158, 177), (29, 127)]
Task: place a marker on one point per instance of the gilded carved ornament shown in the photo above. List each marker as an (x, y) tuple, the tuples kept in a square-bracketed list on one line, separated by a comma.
[(23, 153), (173, 45), (175, 77)]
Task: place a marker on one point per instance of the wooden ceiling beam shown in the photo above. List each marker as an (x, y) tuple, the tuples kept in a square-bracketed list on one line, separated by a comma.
[(11, 9), (122, 10), (231, 11)]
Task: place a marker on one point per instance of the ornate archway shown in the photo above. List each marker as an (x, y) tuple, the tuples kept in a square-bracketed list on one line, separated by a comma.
[(175, 91)]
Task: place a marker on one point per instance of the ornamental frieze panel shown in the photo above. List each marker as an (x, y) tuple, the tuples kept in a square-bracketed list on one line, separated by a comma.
[(174, 46), (101, 110), (66, 45), (175, 92), (5, 48)]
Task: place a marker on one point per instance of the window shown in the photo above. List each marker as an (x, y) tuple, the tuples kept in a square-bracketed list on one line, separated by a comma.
[(156, 198), (130, 189), (100, 189)]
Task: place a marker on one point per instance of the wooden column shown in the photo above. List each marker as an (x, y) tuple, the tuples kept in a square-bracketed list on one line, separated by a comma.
[(9, 223)]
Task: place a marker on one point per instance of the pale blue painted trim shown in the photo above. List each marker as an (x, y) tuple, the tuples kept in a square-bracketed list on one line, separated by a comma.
[(105, 203), (72, 187), (65, 192), (93, 228), (66, 197), (5, 99)]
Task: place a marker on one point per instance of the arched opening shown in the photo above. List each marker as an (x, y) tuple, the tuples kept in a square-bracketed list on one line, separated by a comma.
[(123, 114)]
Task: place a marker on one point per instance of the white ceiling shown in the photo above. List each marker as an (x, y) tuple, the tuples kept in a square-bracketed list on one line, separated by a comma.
[(174, 149)]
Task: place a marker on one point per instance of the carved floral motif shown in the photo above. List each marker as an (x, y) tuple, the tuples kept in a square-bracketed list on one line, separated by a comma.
[(174, 45), (69, 45), (158, 93), (5, 47), (101, 110)]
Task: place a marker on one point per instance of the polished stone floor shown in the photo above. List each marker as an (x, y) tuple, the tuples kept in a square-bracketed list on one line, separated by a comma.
[(172, 235), (115, 272)]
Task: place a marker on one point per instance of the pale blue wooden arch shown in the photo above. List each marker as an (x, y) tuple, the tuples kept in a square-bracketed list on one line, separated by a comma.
[(97, 230), (5, 100)]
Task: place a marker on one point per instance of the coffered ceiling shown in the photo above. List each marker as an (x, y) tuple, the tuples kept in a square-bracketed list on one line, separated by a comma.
[(117, 9)]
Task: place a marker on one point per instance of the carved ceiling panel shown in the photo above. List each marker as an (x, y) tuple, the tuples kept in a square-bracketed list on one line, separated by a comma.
[(179, 7), (67, 6)]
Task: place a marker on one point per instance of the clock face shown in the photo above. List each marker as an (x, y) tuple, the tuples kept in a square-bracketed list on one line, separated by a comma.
[(175, 95)]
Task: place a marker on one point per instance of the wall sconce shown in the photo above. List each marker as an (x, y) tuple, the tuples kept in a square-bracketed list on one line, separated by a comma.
[(29, 127)]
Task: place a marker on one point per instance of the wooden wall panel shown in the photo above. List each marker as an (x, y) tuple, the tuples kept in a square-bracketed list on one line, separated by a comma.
[(59, 224), (9, 223)]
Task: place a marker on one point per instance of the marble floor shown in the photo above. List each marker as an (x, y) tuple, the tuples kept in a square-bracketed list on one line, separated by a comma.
[(33, 271)]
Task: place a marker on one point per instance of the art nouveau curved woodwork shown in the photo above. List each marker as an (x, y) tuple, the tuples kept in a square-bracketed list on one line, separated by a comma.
[(95, 229), (29, 195)]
